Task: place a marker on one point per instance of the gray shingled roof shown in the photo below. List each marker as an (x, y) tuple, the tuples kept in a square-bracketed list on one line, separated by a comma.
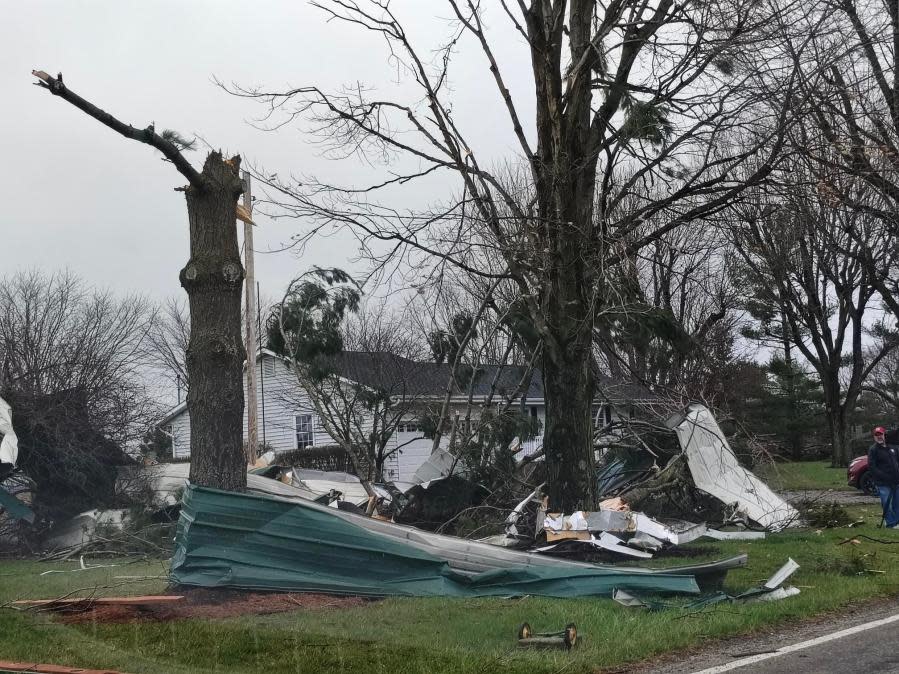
[(398, 375)]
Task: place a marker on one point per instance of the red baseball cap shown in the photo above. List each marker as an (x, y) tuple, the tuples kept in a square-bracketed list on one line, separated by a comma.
[(879, 430)]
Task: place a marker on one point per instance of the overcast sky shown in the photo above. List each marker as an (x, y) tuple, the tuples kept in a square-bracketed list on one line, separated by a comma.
[(77, 195)]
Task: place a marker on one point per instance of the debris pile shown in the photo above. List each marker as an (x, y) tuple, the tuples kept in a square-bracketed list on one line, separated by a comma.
[(303, 530), (257, 542), (704, 477), (16, 489)]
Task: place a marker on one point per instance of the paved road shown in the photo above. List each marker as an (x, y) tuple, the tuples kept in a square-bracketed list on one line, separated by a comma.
[(861, 638), (870, 647), (819, 645)]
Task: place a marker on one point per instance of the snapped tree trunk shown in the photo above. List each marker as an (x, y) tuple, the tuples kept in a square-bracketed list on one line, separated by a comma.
[(212, 279), (568, 437), (215, 354)]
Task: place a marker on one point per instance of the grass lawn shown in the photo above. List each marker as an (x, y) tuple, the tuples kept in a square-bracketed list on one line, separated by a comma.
[(802, 475), (440, 635)]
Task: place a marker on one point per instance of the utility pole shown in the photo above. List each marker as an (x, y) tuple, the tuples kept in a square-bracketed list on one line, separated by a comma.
[(250, 321)]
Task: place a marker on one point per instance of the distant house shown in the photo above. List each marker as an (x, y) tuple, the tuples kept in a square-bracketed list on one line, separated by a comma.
[(288, 421)]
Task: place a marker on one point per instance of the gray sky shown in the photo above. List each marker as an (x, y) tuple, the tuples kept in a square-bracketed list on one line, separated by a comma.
[(77, 195)]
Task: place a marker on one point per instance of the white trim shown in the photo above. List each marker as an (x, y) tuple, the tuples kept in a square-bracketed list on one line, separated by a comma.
[(311, 431)]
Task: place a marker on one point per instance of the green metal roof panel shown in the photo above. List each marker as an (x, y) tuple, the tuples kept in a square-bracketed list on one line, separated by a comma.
[(228, 539)]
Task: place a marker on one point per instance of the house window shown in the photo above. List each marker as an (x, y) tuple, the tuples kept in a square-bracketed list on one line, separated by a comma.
[(305, 431), (408, 427)]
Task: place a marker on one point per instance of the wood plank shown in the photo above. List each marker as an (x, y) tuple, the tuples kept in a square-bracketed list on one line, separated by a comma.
[(50, 669), (552, 535), (101, 601)]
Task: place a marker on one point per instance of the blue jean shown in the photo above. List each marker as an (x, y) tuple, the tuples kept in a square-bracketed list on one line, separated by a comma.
[(889, 501)]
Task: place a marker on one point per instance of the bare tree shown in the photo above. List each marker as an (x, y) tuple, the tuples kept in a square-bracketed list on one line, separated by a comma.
[(71, 364), (628, 94), (675, 325), (883, 379), (57, 335), (167, 343), (212, 278), (845, 99), (805, 253)]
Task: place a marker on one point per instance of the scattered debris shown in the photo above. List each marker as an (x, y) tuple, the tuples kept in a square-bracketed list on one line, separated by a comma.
[(82, 529), (773, 590), (719, 535), (81, 567), (606, 541), (781, 575), (439, 465)]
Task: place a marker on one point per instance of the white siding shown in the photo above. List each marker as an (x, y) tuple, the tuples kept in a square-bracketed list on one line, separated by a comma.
[(181, 436), (279, 400)]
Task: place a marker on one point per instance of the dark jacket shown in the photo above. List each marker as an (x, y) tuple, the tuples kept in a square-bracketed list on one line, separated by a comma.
[(883, 464)]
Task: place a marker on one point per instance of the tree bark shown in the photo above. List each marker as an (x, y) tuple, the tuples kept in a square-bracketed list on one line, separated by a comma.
[(794, 437), (568, 438), (213, 280), (839, 453)]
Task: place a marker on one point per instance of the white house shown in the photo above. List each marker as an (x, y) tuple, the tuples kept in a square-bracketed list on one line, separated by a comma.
[(288, 421)]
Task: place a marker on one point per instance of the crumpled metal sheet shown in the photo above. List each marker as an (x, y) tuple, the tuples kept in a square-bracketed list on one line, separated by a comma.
[(168, 480), (227, 539), (324, 482), (772, 590), (9, 445), (439, 465), (716, 471)]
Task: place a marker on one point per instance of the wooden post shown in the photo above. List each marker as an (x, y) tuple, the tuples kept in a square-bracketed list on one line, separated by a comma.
[(250, 325)]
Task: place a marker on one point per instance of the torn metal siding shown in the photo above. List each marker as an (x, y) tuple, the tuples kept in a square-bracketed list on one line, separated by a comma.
[(717, 472), (9, 445), (227, 539)]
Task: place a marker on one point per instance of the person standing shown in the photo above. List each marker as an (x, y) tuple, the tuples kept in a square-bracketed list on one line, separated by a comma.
[(883, 464)]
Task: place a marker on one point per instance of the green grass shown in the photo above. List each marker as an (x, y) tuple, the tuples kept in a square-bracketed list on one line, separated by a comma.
[(802, 475), (445, 635)]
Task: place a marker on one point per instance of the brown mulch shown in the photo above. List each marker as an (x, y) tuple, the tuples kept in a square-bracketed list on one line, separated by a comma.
[(206, 603)]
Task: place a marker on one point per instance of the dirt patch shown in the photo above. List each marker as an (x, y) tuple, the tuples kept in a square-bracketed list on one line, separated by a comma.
[(205, 603)]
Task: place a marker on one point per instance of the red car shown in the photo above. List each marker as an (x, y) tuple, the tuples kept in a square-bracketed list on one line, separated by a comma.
[(858, 476)]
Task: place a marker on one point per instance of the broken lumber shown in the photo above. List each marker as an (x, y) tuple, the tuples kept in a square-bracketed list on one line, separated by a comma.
[(50, 669), (99, 601)]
